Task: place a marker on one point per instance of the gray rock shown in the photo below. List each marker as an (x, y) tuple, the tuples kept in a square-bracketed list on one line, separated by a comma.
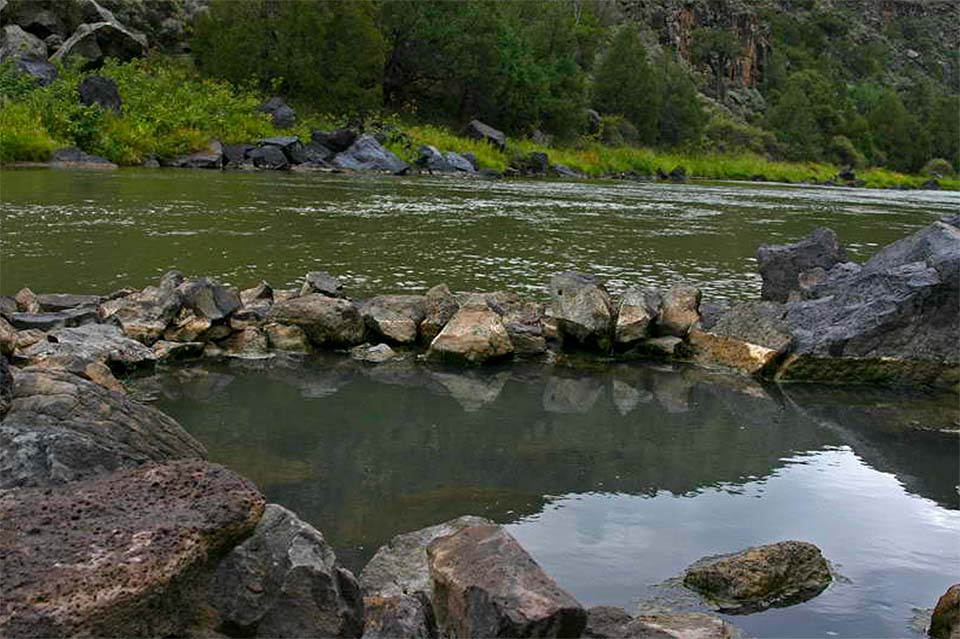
[(480, 131), (94, 43), (582, 308), (208, 158), (38, 68), (680, 310), (527, 339), (564, 171), (536, 163), (608, 622), (93, 343), (15, 43), (781, 265), (486, 585), (281, 114), (373, 354), (439, 308), (460, 162), (317, 153), (269, 157), (396, 583), (65, 301), (432, 160), (61, 428), (337, 141), (59, 319), (249, 343), (145, 315), (394, 317), (327, 321), (756, 322), (38, 20), (73, 157), (208, 299), (235, 155), (366, 154), (100, 91), (291, 146), (781, 574), (636, 315), (260, 292), (474, 335), (323, 283), (6, 387), (285, 581)]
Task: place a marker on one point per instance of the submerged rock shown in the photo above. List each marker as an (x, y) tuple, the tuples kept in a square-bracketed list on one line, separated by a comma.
[(486, 585), (62, 428), (782, 264), (120, 555), (396, 586), (373, 354), (285, 581), (776, 575), (582, 308)]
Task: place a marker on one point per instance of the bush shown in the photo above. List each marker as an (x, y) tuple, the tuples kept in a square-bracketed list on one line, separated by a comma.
[(841, 151), (937, 167), (626, 85), (616, 130), (22, 135)]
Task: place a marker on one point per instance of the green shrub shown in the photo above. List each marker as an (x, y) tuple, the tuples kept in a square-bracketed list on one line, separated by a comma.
[(22, 135), (616, 130), (13, 83), (841, 151), (937, 167), (726, 135)]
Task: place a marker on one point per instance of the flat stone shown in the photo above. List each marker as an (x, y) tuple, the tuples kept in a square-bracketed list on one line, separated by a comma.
[(166, 351), (122, 555), (776, 575), (64, 301), (608, 622), (63, 428), (103, 343), (58, 319), (187, 327), (486, 585), (712, 349), (96, 371), (323, 283)]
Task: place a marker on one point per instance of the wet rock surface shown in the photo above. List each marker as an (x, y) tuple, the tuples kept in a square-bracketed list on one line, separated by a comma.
[(608, 622), (582, 308), (781, 264), (62, 428), (781, 574), (486, 585), (945, 621), (285, 581), (103, 343), (120, 555)]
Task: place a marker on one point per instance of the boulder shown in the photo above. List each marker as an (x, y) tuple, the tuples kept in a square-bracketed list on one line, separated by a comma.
[(166, 351), (285, 581), (100, 91), (65, 301), (564, 171), (6, 387), (38, 68), (236, 155), (94, 43), (95, 371), (35, 18), (268, 157), (27, 301), (366, 154), (291, 146), (287, 338), (145, 315), (440, 306), (123, 555), (261, 291), (712, 349), (749, 336), (209, 158), (527, 339), (102, 343), (582, 308), (609, 622), (536, 163), (208, 299), (377, 354), (281, 114), (8, 338), (250, 343), (73, 158), (62, 428), (327, 321), (945, 622), (636, 315), (337, 141), (323, 283), (15, 43), (480, 131), (486, 585), (780, 574), (395, 318), (396, 587), (58, 319), (461, 163), (430, 158), (474, 335), (781, 264), (187, 327), (680, 310)]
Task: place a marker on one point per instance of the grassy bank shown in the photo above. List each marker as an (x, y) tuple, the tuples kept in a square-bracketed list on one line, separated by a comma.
[(169, 110)]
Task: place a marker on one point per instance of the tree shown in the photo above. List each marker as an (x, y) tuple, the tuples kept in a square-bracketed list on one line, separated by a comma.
[(896, 133), (681, 116), (716, 48), (625, 84)]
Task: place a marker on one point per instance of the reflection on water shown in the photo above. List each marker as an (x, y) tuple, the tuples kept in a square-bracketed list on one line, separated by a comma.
[(615, 480), (93, 232)]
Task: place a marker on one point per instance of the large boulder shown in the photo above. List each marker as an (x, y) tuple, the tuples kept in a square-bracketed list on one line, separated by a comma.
[(62, 428), (474, 335), (480, 131), (439, 308), (608, 622), (64, 301), (102, 343), (122, 555), (144, 315), (73, 158), (208, 299), (57, 319), (281, 114), (945, 621), (582, 308), (93, 43), (396, 586), (100, 91), (394, 317), (366, 154), (337, 141), (269, 157), (291, 146), (15, 43), (327, 321), (285, 581), (750, 336), (210, 157), (636, 316), (781, 574), (680, 310), (782, 264), (486, 585), (38, 68)]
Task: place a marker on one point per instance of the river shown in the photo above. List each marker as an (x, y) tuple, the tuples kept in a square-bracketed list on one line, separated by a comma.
[(616, 479)]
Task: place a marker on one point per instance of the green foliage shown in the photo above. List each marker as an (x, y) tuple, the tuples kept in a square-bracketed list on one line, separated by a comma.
[(937, 167), (716, 48), (682, 119), (894, 132), (625, 84), (326, 54), (22, 135), (726, 135), (13, 83), (841, 151)]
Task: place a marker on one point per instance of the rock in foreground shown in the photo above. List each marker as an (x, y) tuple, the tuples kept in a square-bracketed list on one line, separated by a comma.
[(486, 585), (608, 622), (121, 555), (776, 575), (781, 265), (476, 334), (945, 623)]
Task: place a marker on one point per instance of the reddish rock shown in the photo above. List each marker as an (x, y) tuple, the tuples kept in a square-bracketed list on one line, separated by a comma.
[(945, 623), (122, 555), (486, 585)]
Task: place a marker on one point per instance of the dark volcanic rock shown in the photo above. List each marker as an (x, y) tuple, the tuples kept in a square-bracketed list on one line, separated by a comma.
[(38, 68), (323, 283), (71, 156), (396, 583), (101, 91), (61, 428), (208, 299), (480, 131), (268, 157), (337, 140), (208, 158), (366, 154), (122, 555), (486, 585), (235, 155), (58, 319), (291, 146), (327, 321), (781, 264), (285, 581), (781, 574)]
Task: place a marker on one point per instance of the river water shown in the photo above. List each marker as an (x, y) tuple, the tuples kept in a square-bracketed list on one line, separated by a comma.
[(616, 479)]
